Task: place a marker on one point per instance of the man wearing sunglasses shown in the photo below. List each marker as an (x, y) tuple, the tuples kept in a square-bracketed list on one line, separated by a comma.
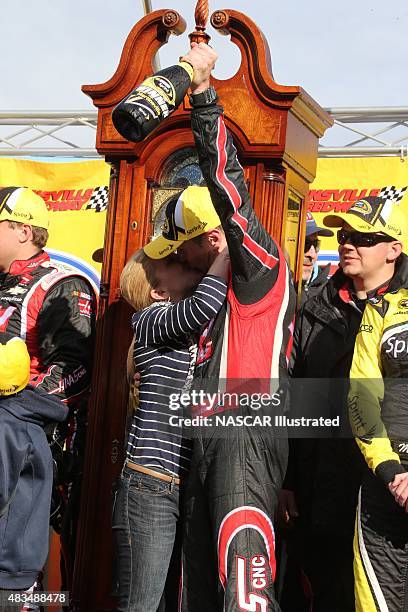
[(313, 277), (325, 474)]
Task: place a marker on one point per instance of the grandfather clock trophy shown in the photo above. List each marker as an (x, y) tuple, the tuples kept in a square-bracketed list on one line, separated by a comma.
[(275, 129)]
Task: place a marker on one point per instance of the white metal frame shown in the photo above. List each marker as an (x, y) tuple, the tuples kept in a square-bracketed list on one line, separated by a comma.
[(373, 126), (41, 133), (72, 133)]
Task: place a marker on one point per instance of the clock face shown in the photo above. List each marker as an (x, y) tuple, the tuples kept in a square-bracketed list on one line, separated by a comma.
[(180, 171)]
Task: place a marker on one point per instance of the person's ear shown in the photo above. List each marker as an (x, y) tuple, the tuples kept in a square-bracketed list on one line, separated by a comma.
[(216, 239), (159, 294), (25, 233), (394, 250)]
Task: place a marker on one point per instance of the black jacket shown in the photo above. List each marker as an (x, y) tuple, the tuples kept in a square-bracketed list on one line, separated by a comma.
[(325, 473), (54, 312), (317, 284), (261, 298)]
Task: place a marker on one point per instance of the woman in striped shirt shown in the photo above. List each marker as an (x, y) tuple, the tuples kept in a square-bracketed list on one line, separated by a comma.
[(146, 513)]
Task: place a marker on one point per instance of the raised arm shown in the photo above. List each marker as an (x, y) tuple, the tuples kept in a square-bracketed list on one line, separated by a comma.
[(254, 254)]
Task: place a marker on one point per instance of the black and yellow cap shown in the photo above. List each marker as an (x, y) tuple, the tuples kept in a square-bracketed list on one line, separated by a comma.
[(22, 205)]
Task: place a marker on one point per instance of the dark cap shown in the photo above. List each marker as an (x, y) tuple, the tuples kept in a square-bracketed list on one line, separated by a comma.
[(313, 228)]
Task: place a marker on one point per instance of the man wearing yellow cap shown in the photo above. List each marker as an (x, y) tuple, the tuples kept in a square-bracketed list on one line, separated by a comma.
[(378, 405), (52, 310), (326, 474), (235, 475), (26, 468)]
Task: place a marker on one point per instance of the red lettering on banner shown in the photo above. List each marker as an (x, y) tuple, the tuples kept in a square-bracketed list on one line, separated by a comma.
[(66, 199), (326, 207), (87, 194), (335, 206), (56, 195), (65, 205), (311, 195), (81, 195), (342, 207), (341, 194), (321, 197)]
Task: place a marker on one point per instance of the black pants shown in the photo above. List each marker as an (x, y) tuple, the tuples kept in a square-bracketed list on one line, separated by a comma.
[(229, 542)]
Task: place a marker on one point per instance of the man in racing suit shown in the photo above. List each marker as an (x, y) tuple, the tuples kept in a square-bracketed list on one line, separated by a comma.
[(378, 409), (229, 555), (53, 311)]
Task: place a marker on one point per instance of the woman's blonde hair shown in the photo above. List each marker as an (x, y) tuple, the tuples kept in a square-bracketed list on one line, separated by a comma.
[(137, 280)]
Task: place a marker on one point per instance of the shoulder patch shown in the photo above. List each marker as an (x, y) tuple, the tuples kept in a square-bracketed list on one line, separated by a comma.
[(51, 279)]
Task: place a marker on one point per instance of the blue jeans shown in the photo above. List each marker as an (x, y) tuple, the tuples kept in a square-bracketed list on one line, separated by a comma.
[(147, 542)]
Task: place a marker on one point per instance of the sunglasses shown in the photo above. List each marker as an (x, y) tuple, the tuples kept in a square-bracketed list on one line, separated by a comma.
[(312, 243), (360, 239)]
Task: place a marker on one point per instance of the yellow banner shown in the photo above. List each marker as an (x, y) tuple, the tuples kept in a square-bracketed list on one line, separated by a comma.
[(76, 194), (341, 182)]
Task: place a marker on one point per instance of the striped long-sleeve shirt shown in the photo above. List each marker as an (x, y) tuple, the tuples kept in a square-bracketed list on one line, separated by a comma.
[(165, 336)]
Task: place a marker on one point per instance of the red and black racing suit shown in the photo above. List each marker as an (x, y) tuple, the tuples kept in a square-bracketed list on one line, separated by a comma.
[(54, 312), (229, 555)]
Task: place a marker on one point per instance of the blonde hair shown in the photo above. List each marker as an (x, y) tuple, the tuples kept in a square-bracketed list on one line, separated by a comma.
[(137, 280)]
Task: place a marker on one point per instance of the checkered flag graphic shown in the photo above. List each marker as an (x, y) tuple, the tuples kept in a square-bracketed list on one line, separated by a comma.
[(99, 199), (392, 194)]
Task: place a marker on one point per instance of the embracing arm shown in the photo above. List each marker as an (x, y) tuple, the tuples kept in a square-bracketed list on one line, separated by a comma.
[(159, 324)]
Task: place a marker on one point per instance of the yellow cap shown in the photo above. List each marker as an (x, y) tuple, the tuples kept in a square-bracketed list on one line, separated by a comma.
[(14, 366), (187, 216), (22, 205), (375, 214)]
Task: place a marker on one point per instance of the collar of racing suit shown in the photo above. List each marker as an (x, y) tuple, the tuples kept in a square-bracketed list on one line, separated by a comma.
[(398, 280), (19, 266), (331, 304)]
